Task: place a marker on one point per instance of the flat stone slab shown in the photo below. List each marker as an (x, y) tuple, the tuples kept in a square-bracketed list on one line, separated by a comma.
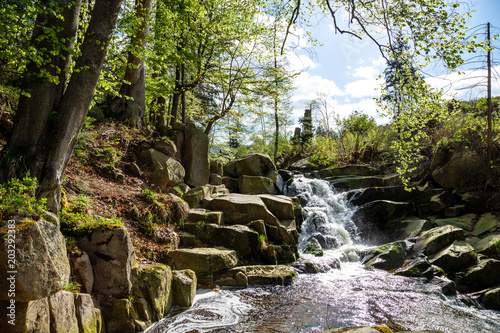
[(202, 259), (267, 274)]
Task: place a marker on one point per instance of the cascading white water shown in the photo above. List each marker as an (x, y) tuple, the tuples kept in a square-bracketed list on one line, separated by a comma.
[(349, 296)]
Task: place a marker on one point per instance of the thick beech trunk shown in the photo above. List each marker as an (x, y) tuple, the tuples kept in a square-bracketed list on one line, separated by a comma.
[(42, 143)]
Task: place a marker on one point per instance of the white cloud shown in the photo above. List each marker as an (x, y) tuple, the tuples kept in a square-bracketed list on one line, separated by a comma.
[(309, 85), (363, 88), (298, 63), (379, 62), (366, 72)]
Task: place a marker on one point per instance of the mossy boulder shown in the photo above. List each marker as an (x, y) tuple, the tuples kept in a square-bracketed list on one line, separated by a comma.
[(387, 256), (455, 257), (88, 315), (120, 315), (407, 228), (153, 283), (184, 287), (195, 156), (366, 329), (419, 267), (267, 274), (41, 260), (440, 201)]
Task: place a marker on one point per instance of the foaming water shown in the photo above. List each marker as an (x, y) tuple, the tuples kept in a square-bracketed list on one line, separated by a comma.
[(349, 296)]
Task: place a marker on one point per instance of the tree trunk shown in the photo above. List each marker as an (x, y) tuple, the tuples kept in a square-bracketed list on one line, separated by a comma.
[(32, 116), (131, 105), (56, 138), (176, 96)]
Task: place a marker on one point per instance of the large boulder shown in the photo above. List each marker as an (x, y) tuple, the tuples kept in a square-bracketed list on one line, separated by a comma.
[(171, 174), (120, 315), (407, 228), (40, 260), (491, 298), (455, 257), (154, 284), (436, 239), (457, 168), (392, 193), (112, 256), (202, 260), (195, 156), (256, 165), (244, 240), (243, 209), (281, 206), (81, 270), (184, 288)]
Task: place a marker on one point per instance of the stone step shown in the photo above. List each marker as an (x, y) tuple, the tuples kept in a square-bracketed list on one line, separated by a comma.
[(205, 215)]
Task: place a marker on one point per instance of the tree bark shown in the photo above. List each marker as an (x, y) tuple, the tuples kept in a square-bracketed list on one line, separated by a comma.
[(55, 139), (132, 103)]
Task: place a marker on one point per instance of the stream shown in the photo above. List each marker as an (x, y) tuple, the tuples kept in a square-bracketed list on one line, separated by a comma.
[(349, 296)]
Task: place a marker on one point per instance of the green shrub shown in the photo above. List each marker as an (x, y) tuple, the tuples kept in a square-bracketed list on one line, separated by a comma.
[(17, 197), (78, 223)]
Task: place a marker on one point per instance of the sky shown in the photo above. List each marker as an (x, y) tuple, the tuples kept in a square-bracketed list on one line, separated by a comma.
[(347, 70)]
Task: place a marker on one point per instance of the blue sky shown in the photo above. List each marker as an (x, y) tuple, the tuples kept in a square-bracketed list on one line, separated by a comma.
[(347, 69)]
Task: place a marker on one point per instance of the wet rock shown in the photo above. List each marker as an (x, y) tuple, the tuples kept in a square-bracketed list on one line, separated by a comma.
[(355, 170), (285, 174), (267, 274), (314, 248), (491, 298), (195, 156), (419, 268), (481, 201), (346, 183), (448, 287), (112, 256), (41, 260), (454, 211), (382, 211), (489, 246), (63, 312), (202, 260), (387, 256), (435, 239), (455, 257), (373, 329), (184, 287), (482, 275)]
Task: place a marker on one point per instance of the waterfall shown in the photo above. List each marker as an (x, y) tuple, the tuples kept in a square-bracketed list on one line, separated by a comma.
[(327, 217)]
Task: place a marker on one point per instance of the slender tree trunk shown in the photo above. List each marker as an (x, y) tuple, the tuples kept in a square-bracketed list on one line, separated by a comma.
[(56, 139), (132, 103), (183, 93), (176, 96)]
